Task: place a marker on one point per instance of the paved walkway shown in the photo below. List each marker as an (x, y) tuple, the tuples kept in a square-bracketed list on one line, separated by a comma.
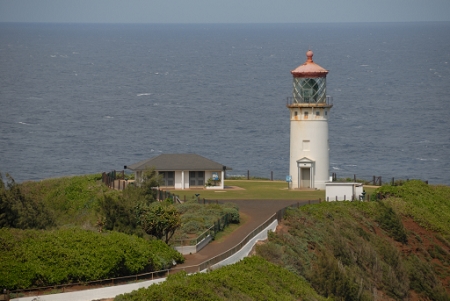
[(256, 211)]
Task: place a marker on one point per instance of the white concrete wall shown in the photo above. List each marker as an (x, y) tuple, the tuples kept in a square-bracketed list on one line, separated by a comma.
[(242, 253), (178, 182), (194, 249), (315, 130), (343, 191)]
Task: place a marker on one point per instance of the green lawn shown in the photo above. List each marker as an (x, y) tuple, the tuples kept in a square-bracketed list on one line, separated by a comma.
[(253, 189)]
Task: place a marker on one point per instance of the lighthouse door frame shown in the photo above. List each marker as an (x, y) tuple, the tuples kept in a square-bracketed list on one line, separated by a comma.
[(305, 163)]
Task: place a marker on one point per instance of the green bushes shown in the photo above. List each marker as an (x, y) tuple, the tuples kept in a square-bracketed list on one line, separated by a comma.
[(424, 281), (250, 279), (41, 258), (390, 222), (17, 210), (71, 200), (197, 218), (336, 248), (428, 205)]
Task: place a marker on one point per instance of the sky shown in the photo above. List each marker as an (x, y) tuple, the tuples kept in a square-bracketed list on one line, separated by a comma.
[(223, 11)]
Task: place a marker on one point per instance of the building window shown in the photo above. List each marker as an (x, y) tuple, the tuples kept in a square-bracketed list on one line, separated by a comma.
[(326, 113), (295, 113), (317, 113), (168, 178), (196, 178), (306, 114)]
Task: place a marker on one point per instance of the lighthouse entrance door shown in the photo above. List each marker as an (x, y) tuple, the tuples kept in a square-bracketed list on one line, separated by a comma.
[(305, 173), (305, 177)]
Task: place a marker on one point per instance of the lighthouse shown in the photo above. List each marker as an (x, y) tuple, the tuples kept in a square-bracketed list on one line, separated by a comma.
[(309, 108)]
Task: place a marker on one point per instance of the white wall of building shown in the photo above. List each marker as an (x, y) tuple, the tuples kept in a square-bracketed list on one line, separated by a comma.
[(220, 173), (178, 180), (336, 191), (309, 138)]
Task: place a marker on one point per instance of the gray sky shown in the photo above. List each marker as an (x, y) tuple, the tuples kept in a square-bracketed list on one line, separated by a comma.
[(223, 11)]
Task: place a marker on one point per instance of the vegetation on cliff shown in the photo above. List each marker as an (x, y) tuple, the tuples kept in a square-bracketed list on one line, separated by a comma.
[(392, 249), (250, 279)]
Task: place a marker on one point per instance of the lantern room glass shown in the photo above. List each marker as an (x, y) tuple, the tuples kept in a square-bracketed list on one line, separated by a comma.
[(310, 90)]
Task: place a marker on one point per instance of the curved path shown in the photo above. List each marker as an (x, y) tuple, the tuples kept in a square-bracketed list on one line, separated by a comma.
[(256, 212)]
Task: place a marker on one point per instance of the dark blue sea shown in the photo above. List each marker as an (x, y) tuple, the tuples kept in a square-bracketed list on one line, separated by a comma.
[(78, 99)]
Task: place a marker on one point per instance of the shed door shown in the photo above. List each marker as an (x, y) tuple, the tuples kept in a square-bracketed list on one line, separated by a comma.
[(305, 177)]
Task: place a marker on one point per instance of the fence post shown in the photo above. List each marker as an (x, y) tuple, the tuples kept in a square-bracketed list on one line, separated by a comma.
[(271, 175), (248, 174), (354, 177)]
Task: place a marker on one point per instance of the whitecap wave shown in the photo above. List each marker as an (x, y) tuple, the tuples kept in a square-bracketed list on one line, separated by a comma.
[(335, 168), (24, 123), (143, 94)]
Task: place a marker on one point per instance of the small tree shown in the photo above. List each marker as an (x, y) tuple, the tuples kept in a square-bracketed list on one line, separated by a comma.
[(117, 212), (20, 211), (159, 220), (145, 190)]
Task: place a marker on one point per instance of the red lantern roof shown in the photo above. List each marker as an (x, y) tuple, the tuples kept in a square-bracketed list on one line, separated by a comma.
[(309, 69)]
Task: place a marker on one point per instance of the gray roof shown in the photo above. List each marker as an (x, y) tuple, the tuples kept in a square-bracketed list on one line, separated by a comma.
[(169, 162)]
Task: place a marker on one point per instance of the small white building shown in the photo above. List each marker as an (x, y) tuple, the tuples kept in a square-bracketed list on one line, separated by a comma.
[(183, 171), (343, 191)]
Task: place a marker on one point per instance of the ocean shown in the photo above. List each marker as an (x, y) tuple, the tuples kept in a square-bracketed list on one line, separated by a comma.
[(87, 98)]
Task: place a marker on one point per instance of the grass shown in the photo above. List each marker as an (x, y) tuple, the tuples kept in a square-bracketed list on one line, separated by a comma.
[(254, 190), (231, 228)]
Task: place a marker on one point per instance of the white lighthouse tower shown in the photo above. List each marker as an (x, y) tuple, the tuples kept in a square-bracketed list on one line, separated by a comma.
[(309, 107)]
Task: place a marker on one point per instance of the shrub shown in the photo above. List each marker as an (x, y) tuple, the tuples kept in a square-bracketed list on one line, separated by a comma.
[(42, 258), (233, 214), (250, 279), (391, 223)]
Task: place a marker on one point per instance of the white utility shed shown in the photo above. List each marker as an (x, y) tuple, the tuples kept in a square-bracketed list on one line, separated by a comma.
[(343, 191)]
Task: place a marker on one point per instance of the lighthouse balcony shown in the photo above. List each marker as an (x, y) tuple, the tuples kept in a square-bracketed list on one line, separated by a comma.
[(298, 101)]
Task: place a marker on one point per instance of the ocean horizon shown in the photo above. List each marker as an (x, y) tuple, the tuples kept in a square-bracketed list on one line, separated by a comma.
[(87, 98)]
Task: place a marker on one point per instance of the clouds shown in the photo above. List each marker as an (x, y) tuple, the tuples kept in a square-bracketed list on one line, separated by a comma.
[(230, 11)]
